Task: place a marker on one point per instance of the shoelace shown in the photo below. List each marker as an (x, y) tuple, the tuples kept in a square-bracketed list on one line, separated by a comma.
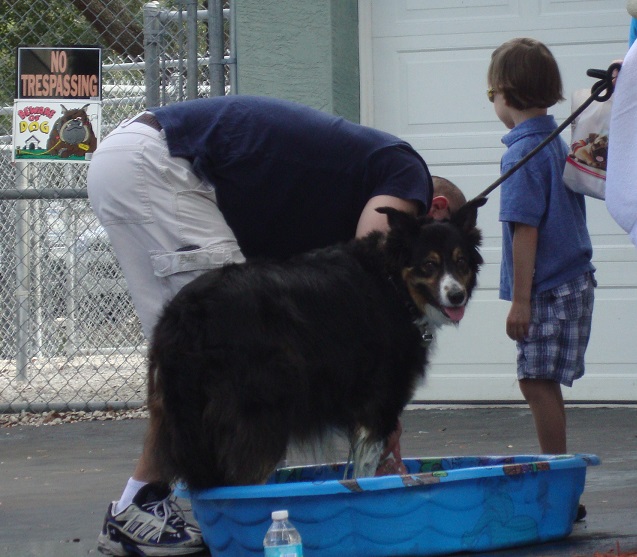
[(170, 511)]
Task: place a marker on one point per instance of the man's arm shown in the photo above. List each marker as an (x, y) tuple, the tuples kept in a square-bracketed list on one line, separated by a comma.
[(370, 220)]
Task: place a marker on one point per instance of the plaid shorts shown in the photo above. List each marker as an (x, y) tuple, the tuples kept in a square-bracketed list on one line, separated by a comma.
[(559, 331)]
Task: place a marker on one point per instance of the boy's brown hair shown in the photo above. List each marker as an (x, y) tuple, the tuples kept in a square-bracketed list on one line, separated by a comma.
[(526, 73)]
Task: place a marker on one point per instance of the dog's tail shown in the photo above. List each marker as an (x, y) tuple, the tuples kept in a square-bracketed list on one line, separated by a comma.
[(175, 441), (180, 445), (157, 445), (194, 420)]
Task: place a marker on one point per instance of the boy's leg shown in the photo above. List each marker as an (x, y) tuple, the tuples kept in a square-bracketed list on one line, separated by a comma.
[(552, 355), (547, 406)]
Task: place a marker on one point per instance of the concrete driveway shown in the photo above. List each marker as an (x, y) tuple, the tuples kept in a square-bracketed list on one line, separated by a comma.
[(56, 481)]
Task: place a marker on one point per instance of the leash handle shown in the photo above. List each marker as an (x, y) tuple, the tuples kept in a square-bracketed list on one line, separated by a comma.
[(600, 92)]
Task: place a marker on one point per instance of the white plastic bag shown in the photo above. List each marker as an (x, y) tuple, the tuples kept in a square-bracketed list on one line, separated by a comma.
[(585, 170)]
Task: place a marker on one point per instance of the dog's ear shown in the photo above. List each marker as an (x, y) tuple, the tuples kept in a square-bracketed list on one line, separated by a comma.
[(399, 219), (403, 231), (466, 217)]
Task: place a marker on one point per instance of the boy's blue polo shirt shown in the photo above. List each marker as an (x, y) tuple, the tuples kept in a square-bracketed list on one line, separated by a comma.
[(537, 196)]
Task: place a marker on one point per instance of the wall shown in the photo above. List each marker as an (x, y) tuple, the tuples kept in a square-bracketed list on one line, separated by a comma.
[(301, 50)]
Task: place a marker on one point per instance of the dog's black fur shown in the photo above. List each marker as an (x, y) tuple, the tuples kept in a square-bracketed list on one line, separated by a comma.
[(250, 357)]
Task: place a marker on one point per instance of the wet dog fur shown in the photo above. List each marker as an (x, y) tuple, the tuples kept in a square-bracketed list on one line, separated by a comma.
[(250, 357)]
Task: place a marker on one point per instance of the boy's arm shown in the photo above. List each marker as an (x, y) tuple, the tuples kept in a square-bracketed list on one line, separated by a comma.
[(524, 250)]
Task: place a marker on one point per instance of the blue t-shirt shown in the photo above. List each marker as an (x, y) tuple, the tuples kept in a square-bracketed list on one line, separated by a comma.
[(289, 178), (537, 196)]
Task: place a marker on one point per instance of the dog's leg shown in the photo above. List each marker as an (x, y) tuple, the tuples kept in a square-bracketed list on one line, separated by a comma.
[(366, 453)]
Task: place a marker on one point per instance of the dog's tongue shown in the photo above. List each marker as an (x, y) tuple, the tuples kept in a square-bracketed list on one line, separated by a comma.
[(455, 314)]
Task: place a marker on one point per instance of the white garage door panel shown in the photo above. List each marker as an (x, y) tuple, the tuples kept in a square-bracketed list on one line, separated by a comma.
[(476, 361), (423, 78), (499, 384), (440, 103), (403, 18), (613, 330), (429, 110)]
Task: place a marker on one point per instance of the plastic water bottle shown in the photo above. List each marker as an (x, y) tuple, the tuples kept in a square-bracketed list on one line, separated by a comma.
[(282, 539)]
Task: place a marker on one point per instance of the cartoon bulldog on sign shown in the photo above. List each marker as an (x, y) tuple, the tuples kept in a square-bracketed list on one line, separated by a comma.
[(72, 134)]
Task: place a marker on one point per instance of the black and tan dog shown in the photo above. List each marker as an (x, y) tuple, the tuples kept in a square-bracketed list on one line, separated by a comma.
[(250, 357)]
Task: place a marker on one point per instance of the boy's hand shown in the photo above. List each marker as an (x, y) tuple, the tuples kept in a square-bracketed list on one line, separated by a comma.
[(518, 321)]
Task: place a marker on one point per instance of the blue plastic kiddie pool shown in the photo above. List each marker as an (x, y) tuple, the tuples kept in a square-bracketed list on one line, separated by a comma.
[(443, 505)]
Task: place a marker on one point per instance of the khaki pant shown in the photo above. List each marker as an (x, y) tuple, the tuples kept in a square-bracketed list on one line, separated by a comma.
[(162, 220)]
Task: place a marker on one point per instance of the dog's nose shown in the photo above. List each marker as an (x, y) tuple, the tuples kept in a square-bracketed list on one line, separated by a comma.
[(456, 297)]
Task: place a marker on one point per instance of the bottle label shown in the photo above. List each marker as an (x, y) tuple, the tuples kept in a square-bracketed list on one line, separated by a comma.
[(284, 551)]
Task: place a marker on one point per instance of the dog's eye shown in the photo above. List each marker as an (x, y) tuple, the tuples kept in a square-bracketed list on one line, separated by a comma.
[(463, 265), (429, 268)]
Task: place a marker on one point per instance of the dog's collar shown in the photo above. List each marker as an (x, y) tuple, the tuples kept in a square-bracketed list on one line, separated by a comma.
[(418, 319), (426, 336)]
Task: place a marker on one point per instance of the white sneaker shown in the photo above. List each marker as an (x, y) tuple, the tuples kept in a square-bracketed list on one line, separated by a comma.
[(151, 525)]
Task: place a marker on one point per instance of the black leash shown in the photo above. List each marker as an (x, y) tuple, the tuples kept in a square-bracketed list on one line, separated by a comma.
[(605, 83)]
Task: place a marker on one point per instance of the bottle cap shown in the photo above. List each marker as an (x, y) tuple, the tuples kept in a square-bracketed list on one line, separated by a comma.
[(279, 515)]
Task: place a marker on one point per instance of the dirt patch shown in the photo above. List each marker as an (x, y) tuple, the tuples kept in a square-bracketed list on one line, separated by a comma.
[(58, 418)]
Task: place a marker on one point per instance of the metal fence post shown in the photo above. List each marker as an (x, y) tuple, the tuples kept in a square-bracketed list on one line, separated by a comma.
[(22, 273), (152, 32), (192, 67), (216, 41), (232, 17)]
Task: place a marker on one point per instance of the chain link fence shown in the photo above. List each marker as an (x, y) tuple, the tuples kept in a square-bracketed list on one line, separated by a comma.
[(69, 336)]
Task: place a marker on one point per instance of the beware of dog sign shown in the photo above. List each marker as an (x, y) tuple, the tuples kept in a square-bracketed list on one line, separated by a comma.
[(57, 109)]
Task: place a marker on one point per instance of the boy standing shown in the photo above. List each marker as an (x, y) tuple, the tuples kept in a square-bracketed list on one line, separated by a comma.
[(546, 269)]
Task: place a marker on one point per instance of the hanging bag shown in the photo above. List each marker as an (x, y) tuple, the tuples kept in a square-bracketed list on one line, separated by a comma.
[(585, 170)]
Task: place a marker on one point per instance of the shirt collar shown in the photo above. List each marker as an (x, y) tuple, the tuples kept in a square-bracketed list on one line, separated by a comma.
[(539, 124)]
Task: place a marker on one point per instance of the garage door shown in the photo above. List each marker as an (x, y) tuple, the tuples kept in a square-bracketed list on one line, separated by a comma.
[(423, 67)]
